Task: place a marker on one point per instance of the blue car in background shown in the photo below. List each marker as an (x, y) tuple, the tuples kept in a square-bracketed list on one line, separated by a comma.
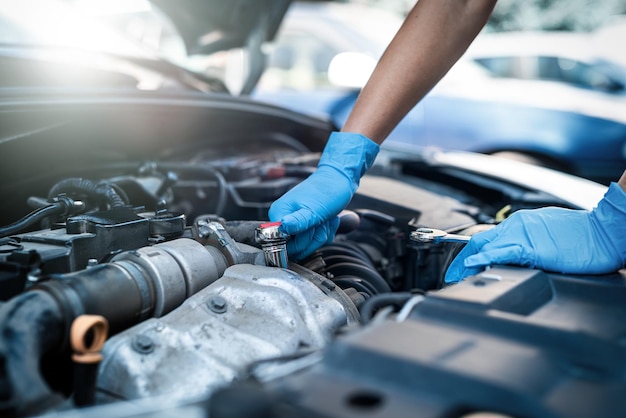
[(543, 98)]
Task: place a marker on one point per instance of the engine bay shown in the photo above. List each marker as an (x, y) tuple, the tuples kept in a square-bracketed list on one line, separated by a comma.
[(157, 252)]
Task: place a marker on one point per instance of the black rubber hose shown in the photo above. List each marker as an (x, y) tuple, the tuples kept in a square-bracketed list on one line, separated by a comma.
[(37, 323), (54, 209), (376, 302), (365, 272), (91, 291), (98, 191), (32, 325), (125, 291), (358, 284)]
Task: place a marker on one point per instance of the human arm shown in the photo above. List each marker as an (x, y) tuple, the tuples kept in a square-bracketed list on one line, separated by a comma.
[(434, 35), (553, 239), (432, 38)]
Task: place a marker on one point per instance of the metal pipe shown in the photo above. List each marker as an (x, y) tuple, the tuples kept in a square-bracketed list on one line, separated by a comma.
[(136, 285)]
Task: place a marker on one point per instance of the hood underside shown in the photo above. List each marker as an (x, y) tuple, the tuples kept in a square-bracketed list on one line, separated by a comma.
[(213, 25)]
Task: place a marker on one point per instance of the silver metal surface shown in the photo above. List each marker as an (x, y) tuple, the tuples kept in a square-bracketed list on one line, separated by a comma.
[(435, 236), (213, 234), (251, 313), (273, 243), (177, 269)]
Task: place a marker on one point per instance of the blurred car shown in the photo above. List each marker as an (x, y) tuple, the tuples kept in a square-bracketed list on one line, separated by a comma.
[(543, 98), (139, 276), (607, 39), (567, 58)]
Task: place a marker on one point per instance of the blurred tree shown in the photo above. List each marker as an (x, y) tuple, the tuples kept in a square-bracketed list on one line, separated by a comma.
[(570, 15), (509, 15), (397, 6)]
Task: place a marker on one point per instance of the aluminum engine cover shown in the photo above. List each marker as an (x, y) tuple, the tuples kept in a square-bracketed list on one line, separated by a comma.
[(251, 313)]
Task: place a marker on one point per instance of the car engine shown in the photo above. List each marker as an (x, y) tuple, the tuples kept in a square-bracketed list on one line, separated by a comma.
[(139, 283)]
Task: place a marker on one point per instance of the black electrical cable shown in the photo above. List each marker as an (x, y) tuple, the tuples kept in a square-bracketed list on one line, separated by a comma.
[(369, 308), (54, 209), (99, 191)]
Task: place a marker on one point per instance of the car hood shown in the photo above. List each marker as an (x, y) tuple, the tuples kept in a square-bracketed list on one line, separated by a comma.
[(215, 25)]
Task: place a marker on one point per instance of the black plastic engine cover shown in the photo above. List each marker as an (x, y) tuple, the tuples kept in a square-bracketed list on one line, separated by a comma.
[(510, 341), (97, 236)]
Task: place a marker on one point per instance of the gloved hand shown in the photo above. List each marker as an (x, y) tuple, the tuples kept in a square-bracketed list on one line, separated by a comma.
[(308, 212), (552, 239)]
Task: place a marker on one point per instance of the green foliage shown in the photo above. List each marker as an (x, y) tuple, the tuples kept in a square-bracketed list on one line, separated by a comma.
[(570, 15)]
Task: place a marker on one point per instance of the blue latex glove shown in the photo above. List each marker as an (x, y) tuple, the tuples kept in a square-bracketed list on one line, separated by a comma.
[(552, 239), (308, 212)]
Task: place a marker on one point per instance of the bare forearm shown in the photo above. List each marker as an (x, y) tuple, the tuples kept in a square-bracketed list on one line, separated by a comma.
[(433, 37)]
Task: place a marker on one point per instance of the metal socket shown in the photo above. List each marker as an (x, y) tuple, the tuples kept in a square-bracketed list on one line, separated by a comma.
[(273, 243)]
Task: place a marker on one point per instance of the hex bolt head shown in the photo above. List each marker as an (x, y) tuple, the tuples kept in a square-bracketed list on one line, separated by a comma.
[(143, 344), (217, 304)]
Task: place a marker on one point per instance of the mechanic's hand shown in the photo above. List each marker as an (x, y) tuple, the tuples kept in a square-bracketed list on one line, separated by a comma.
[(308, 212), (552, 239)]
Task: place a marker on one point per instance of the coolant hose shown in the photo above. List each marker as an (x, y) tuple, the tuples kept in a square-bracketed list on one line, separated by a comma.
[(32, 325), (136, 285), (139, 284)]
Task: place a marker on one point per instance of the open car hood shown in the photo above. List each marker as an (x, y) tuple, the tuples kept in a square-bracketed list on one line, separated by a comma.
[(215, 25)]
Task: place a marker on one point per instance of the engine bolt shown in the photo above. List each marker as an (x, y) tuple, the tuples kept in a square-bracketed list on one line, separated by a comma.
[(143, 344), (217, 304)]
